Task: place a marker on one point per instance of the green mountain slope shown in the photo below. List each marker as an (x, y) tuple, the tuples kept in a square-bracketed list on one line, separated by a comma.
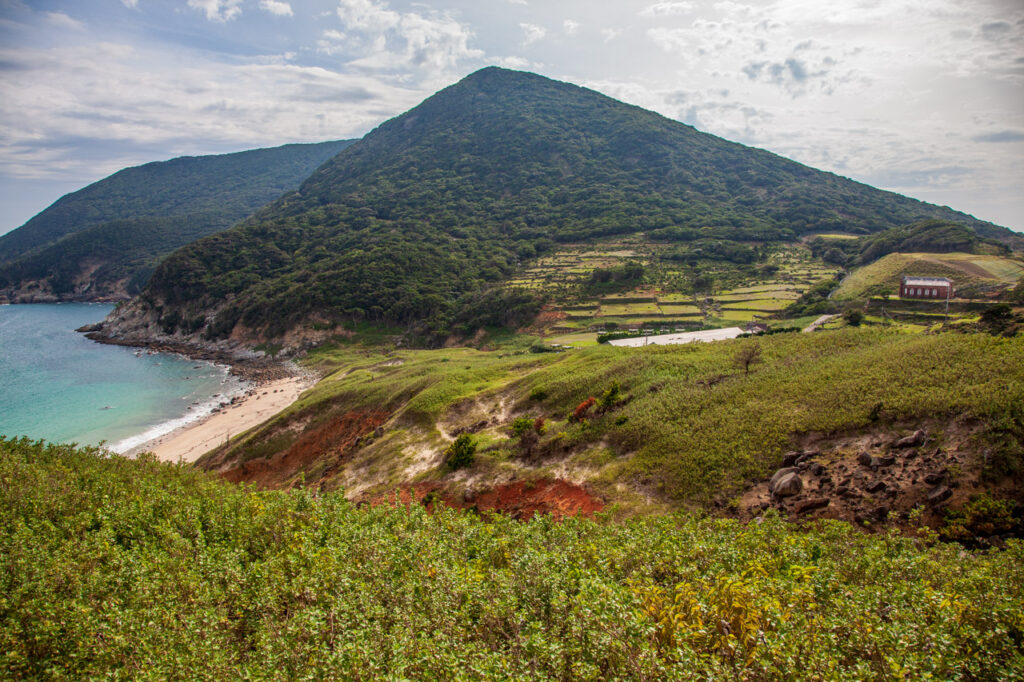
[(105, 239), (451, 196)]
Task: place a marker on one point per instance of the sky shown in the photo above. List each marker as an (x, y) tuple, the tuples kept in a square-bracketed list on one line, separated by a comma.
[(921, 97)]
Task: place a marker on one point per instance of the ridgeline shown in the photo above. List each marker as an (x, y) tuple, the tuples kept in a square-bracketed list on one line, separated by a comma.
[(104, 241)]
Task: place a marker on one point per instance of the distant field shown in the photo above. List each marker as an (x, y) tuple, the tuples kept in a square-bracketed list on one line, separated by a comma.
[(962, 268), (679, 309), (630, 309), (741, 315), (769, 304)]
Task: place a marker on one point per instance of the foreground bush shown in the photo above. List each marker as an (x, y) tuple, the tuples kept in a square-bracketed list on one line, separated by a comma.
[(134, 569)]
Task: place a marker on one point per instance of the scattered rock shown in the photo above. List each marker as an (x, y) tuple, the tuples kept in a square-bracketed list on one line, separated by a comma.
[(378, 432), (789, 484), (811, 504), (817, 469), (934, 478), (864, 458), (938, 494), (875, 487), (912, 441), (883, 461), (789, 459), (881, 512), (910, 454)]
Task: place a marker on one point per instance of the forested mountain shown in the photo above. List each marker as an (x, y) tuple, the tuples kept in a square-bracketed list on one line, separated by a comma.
[(409, 224), (104, 240)]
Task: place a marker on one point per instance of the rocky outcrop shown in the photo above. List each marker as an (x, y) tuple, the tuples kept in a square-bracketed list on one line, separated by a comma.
[(877, 478)]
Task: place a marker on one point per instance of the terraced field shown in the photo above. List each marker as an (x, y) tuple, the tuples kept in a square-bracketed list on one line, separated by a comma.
[(739, 294)]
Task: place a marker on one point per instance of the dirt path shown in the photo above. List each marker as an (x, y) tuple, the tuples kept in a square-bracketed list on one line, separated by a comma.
[(818, 322)]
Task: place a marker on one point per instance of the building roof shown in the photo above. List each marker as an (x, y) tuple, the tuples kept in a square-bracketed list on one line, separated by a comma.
[(926, 281)]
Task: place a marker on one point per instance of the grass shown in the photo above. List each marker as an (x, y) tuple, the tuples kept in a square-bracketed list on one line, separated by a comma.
[(677, 436), (113, 568)]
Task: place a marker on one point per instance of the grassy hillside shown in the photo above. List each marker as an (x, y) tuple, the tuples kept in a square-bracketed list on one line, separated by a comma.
[(968, 271), (674, 425), (127, 569), (448, 199), (114, 232)]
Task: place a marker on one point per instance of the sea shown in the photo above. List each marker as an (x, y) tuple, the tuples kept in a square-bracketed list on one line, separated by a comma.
[(57, 385)]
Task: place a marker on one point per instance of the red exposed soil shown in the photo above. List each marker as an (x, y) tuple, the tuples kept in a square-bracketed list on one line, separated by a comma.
[(336, 440), (519, 499)]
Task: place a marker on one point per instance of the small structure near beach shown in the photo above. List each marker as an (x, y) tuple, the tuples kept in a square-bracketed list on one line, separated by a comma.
[(934, 288)]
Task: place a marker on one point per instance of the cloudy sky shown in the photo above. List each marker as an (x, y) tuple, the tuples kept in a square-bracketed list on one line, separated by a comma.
[(923, 97)]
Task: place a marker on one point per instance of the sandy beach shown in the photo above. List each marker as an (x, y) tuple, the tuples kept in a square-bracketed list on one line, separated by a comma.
[(260, 403)]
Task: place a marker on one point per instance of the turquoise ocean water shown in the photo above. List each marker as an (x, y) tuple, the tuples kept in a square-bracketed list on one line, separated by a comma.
[(58, 385)]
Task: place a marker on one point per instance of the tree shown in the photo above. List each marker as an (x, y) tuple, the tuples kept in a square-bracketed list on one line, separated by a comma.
[(747, 356), (853, 317)]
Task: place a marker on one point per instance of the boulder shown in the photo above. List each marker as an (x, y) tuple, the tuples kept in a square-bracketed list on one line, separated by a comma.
[(912, 441), (864, 458), (910, 454), (938, 494), (812, 504), (777, 476), (875, 487), (788, 485), (883, 461), (934, 478), (789, 459), (817, 469)]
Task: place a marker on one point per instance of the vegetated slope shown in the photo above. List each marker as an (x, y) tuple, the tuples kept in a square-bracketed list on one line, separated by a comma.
[(969, 272), (934, 236), (448, 198), (119, 568), (671, 426), (104, 241)]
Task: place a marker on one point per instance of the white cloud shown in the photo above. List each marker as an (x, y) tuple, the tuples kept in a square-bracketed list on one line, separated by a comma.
[(276, 7), (61, 20), (378, 38), (131, 4), (610, 34), (571, 27), (218, 10), (518, 63), (667, 9), (76, 111), (533, 33)]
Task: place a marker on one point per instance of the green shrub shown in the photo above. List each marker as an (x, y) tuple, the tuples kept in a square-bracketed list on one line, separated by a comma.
[(461, 451), (113, 568)]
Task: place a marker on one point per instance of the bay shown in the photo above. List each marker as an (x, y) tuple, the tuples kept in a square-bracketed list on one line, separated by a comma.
[(58, 385)]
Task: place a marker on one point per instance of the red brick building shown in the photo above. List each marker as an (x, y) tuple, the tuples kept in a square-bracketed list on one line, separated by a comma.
[(926, 287)]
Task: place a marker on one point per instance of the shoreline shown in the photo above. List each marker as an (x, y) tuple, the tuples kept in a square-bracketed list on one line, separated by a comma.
[(258, 403), (272, 386)]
